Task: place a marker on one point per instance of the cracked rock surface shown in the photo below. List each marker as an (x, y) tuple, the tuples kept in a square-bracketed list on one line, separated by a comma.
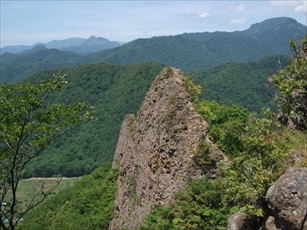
[(155, 150)]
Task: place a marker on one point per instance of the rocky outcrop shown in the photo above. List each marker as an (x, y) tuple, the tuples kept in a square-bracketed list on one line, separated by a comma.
[(287, 202), (287, 199), (157, 149)]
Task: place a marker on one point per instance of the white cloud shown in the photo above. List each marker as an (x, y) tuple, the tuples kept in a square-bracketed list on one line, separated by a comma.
[(236, 8), (283, 4), (297, 4), (237, 20), (300, 8), (204, 15)]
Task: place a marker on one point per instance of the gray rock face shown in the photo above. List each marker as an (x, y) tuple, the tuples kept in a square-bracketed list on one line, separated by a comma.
[(155, 151), (287, 199), (235, 222)]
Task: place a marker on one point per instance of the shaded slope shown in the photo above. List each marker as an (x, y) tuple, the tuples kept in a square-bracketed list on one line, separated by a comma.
[(186, 52), (198, 51), (241, 83), (16, 66)]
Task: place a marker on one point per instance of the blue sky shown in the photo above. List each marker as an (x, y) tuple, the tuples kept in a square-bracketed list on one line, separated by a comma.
[(28, 22)]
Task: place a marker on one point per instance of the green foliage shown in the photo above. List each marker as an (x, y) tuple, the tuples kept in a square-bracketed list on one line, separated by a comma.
[(260, 152), (198, 51), (193, 90), (277, 39), (15, 67), (266, 147), (159, 218), (169, 119), (118, 90), (258, 155), (241, 83), (200, 206), (296, 141), (114, 91), (160, 93), (132, 129), (292, 83), (225, 124), (201, 154), (89, 204), (28, 126), (257, 166), (256, 145), (132, 179)]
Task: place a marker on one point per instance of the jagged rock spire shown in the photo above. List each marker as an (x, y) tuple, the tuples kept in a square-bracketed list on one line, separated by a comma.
[(155, 151)]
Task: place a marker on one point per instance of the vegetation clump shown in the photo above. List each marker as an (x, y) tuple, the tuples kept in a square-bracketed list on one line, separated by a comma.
[(292, 84), (201, 205), (193, 90), (201, 154)]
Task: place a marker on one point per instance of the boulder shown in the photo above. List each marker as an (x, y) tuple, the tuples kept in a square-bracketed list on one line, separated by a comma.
[(239, 221), (287, 199), (235, 222)]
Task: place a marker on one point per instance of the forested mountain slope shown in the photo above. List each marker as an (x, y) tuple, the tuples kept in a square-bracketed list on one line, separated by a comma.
[(241, 83), (275, 33), (114, 91), (182, 52), (198, 51), (16, 66)]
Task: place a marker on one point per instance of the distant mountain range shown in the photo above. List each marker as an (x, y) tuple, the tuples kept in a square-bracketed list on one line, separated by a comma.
[(191, 52), (75, 44)]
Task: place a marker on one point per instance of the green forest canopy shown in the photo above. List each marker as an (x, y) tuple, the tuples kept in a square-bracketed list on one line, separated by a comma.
[(114, 91)]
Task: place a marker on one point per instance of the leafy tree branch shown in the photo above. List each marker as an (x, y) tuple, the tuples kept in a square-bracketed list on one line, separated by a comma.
[(28, 125), (292, 83)]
